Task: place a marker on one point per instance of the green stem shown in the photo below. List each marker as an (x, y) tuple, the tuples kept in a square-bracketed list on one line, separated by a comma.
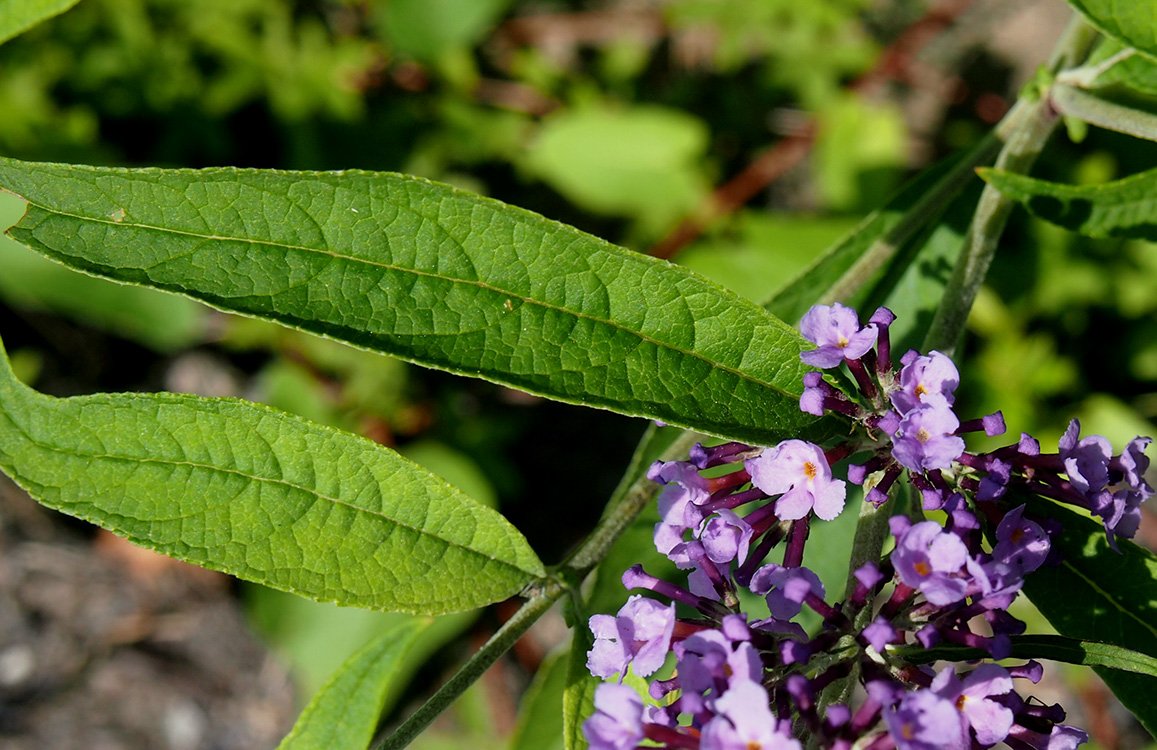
[(1024, 131), (628, 500), (922, 212), (468, 673)]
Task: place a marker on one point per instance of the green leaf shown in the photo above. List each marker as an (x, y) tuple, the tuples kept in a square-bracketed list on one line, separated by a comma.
[(1054, 647), (579, 699), (912, 284), (345, 712), (540, 718), (1112, 65), (436, 276), (1104, 113), (641, 162), (164, 322), (1117, 593), (1131, 23), (1123, 208), (874, 245), (17, 16), (262, 495), (429, 29)]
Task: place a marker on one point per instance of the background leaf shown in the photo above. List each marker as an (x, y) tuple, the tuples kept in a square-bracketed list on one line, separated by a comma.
[(435, 275), (1123, 208), (1118, 597), (539, 718), (640, 162), (1133, 23), (17, 16), (262, 495), (345, 712)]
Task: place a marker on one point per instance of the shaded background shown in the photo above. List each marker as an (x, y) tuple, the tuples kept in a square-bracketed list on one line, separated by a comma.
[(739, 138)]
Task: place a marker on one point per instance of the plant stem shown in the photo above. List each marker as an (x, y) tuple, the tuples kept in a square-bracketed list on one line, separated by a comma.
[(632, 495), (468, 673), (1024, 131)]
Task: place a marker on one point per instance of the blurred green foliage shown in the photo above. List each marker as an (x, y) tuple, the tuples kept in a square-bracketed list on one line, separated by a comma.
[(618, 117)]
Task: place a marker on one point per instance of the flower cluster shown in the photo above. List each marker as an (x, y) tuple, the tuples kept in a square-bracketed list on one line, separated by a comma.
[(746, 682)]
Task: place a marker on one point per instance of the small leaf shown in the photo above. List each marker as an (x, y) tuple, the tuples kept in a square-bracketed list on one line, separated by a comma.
[(17, 16), (345, 712), (1123, 208), (436, 276), (262, 495), (1117, 593), (1133, 23)]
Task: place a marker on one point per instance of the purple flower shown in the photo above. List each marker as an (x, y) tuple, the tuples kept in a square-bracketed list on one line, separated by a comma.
[(1134, 463), (744, 721), (929, 559), (925, 379), (713, 660), (1062, 737), (1021, 546), (1086, 462), (640, 633), (726, 537), (617, 723), (925, 721), (679, 503), (786, 588), (990, 720), (800, 472), (836, 330), (879, 634), (926, 439)]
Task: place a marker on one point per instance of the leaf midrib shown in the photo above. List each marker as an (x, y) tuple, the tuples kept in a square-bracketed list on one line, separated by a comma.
[(739, 374), (265, 480), (1109, 597)]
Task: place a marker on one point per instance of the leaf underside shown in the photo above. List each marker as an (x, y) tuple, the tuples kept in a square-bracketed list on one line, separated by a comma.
[(1123, 208)]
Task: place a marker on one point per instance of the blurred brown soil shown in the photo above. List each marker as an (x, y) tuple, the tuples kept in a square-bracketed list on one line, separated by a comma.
[(106, 646)]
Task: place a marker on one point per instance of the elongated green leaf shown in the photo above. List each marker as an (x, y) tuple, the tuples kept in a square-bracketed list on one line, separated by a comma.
[(1104, 113), (17, 16), (345, 712), (1054, 647), (578, 701), (540, 718), (436, 276), (1117, 594), (1123, 208), (875, 246), (262, 495), (1132, 22)]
